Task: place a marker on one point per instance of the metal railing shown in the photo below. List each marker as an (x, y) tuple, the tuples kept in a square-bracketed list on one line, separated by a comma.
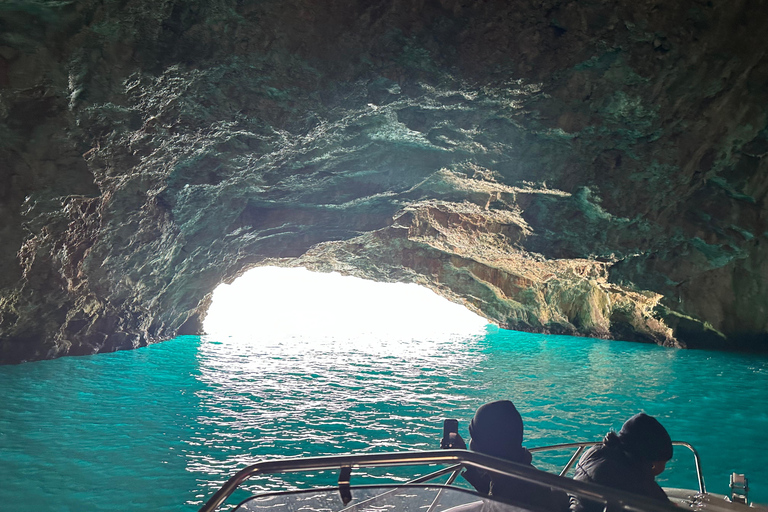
[(612, 499), (580, 447)]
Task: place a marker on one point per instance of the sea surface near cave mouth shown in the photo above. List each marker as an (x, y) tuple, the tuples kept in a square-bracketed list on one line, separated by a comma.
[(161, 427)]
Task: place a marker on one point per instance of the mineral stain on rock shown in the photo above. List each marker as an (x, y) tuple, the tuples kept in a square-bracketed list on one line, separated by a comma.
[(588, 168)]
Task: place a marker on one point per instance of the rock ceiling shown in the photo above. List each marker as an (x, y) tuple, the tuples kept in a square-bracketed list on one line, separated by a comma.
[(594, 168)]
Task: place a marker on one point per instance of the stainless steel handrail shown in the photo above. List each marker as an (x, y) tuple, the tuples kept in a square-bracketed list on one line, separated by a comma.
[(581, 446), (454, 470), (612, 498), (697, 462), (451, 479)]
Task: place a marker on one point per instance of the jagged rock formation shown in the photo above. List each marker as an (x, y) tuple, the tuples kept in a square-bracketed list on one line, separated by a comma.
[(592, 168)]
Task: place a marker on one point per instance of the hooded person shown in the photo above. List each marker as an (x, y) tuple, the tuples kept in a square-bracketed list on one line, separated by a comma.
[(629, 460), (497, 430)]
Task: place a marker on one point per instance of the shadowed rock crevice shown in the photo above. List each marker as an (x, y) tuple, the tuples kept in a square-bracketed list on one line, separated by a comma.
[(586, 168)]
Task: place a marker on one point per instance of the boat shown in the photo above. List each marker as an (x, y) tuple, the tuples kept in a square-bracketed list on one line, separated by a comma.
[(415, 481)]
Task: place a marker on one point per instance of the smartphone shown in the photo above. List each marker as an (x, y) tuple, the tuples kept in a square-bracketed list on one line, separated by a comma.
[(450, 426)]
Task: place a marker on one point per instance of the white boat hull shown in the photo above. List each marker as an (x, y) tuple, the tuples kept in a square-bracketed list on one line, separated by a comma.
[(709, 502)]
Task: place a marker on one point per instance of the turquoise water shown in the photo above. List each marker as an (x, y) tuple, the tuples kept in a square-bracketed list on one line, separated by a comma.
[(161, 427)]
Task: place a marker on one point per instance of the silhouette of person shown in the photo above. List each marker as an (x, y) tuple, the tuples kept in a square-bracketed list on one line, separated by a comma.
[(629, 460), (497, 430)]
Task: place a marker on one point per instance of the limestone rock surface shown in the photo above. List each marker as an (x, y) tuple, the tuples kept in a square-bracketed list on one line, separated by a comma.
[(593, 167)]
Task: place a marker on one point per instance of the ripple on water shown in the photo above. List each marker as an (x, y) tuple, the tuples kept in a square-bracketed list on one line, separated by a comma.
[(161, 427)]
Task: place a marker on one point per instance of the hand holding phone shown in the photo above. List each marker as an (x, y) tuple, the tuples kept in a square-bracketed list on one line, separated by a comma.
[(451, 437)]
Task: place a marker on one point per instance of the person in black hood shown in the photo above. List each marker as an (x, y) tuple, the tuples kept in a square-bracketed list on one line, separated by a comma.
[(629, 460), (497, 430)]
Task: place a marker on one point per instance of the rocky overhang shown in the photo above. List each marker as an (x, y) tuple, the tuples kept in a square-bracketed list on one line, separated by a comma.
[(594, 168)]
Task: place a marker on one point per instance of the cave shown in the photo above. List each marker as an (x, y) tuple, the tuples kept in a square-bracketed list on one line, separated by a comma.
[(585, 168)]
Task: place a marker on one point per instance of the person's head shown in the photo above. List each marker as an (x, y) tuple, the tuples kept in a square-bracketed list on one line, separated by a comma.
[(497, 430), (645, 438)]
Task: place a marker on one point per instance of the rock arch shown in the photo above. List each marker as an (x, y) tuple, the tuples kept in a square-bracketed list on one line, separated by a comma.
[(590, 169)]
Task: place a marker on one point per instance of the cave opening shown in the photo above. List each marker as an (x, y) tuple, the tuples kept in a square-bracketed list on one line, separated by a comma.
[(296, 303)]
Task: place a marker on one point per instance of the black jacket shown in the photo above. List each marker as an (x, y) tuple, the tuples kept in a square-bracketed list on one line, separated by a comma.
[(609, 465), (518, 492)]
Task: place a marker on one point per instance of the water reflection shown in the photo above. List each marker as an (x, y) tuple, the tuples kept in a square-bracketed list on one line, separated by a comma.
[(294, 397), (167, 424), (299, 397)]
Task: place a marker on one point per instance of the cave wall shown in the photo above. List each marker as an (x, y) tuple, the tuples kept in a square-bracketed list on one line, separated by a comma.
[(594, 168)]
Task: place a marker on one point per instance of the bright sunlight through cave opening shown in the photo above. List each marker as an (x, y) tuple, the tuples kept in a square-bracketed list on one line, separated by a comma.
[(268, 302)]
